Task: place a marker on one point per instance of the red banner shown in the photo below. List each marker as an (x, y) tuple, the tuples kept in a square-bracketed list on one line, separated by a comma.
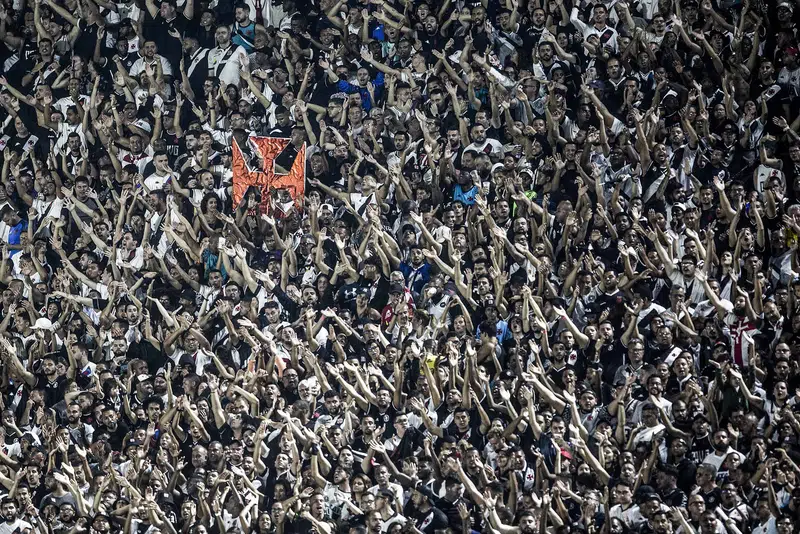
[(244, 175)]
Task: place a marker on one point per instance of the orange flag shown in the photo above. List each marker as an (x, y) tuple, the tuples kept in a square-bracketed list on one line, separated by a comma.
[(267, 179)]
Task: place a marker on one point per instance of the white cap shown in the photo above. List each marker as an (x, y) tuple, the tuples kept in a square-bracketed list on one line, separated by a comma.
[(43, 323)]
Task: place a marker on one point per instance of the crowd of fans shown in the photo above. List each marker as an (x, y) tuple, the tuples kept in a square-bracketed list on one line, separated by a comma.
[(543, 277)]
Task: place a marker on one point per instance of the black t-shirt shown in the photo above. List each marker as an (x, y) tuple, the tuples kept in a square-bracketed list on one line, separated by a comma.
[(110, 67), (675, 497), (701, 447), (38, 139), (116, 436), (471, 435), (450, 510), (384, 419), (53, 391), (303, 525), (84, 44), (611, 357), (323, 90), (712, 498), (430, 521), (157, 29)]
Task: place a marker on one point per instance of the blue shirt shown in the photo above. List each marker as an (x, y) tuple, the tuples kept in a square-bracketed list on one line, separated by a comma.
[(366, 103), (244, 36), (210, 261), (416, 278), (502, 333), (467, 197), (13, 234)]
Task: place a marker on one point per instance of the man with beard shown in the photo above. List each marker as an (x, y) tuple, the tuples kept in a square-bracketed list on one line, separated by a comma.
[(143, 390), (483, 144), (216, 456), (333, 408), (30, 137), (655, 400), (80, 433), (163, 21), (12, 523), (687, 276), (114, 427), (661, 524), (657, 171), (722, 448), (417, 271), (741, 320), (336, 493), (244, 27), (53, 384), (420, 509), (56, 482), (194, 66), (527, 519), (466, 187), (226, 59), (431, 38)]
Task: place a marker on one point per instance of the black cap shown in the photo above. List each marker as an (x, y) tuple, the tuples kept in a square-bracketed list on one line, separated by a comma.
[(397, 288), (101, 516), (651, 497), (165, 497), (425, 491)]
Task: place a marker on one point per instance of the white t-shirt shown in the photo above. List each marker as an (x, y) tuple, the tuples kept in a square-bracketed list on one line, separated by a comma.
[(397, 489), (227, 70), (632, 517), (493, 147), (63, 103), (156, 181), (17, 526), (716, 459), (767, 528), (138, 66)]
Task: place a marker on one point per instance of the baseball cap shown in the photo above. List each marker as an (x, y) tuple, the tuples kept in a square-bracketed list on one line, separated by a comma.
[(132, 443), (43, 323), (101, 516)]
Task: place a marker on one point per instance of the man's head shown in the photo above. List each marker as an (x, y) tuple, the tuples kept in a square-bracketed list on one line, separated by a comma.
[(8, 507), (242, 13), (222, 35)]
